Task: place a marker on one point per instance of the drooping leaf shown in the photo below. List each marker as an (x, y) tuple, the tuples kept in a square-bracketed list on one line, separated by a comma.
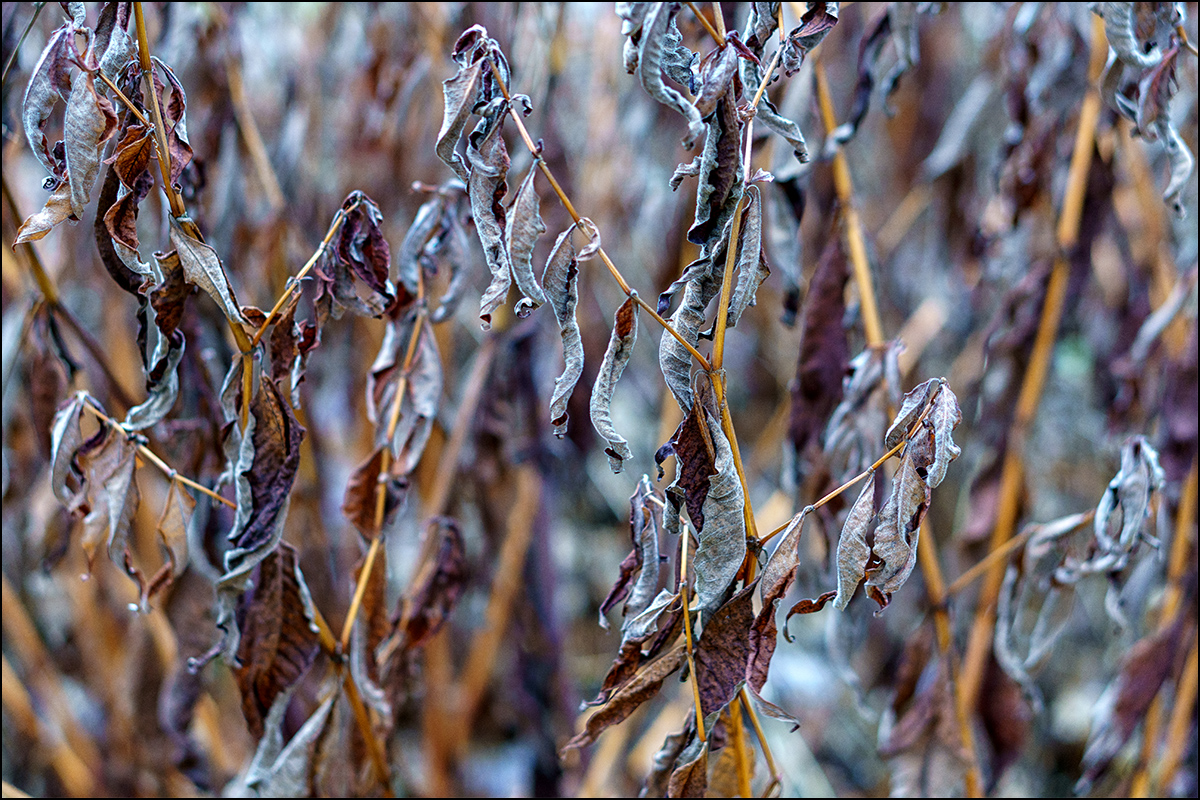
[(644, 637), (944, 418), (561, 283), (109, 498), (690, 778), (620, 348), (524, 228), (66, 437), (824, 352), (49, 82), (653, 49), (486, 186), (362, 491), (777, 577), (695, 457), (719, 187), (90, 121), (172, 536), (202, 267), (279, 770), (853, 552), (915, 403), (1125, 702), (752, 267), (174, 112), (625, 701), (641, 572), (278, 643), (673, 746), (900, 518), (1125, 505), (816, 22), (921, 739), (718, 70)]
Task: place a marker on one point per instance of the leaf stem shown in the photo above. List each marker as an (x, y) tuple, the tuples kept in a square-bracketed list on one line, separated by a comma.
[(717, 35), (153, 457), (124, 100), (566, 202), (160, 132), (739, 747), (687, 635), (980, 639)]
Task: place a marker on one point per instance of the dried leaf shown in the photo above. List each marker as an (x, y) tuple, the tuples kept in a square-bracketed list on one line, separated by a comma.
[(720, 174), (721, 653), (777, 577), (174, 112), (1126, 502), (362, 495), (900, 518), (695, 457), (824, 352), (90, 121), (279, 770), (923, 745), (1119, 30), (722, 545), (625, 701), (818, 20), (915, 403), (667, 755), (49, 82), (853, 552), (690, 778), (620, 348), (279, 641), (486, 187), (944, 418), (65, 440), (172, 535), (643, 561), (524, 227), (752, 267), (561, 281), (202, 268), (718, 70), (654, 48), (109, 498)]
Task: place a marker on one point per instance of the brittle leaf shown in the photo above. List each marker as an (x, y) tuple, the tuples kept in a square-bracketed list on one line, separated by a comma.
[(202, 268), (436, 588), (723, 538), (620, 348), (486, 187), (524, 227), (853, 553), (722, 652), (561, 282), (914, 405), (650, 65), (944, 417)]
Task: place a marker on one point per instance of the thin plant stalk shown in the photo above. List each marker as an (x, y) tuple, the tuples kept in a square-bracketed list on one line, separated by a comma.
[(980, 639), (687, 636)]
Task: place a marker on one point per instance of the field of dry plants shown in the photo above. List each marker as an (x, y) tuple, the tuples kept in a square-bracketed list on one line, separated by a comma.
[(497, 399)]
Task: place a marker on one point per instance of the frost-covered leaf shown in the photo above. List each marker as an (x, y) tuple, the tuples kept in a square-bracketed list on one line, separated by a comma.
[(524, 228), (620, 348), (723, 538)]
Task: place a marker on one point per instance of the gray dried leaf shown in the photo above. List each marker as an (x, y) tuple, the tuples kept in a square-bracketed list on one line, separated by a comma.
[(674, 360), (722, 545), (752, 267), (766, 112), (279, 770), (65, 439), (1125, 506), (653, 50), (717, 71), (645, 508), (639, 626), (561, 281), (944, 418), (853, 553), (162, 384), (202, 267), (49, 82), (1119, 29), (900, 518), (1181, 162), (620, 348), (486, 187), (525, 226), (459, 93), (913, 406), (110, 496)]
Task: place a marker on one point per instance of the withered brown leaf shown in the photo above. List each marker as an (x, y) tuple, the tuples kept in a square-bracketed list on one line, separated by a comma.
[(278, 643), (524, 227)]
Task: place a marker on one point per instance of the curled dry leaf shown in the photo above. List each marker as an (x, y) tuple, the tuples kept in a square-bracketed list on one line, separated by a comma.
[(853, 552), (643, 561), (361, 496), (752, 267), (172, 536), (561, 282), (278, 642), (486, 187), (777, 577), (690, 778), (49, 82), (279, 770), (722, 652), (66, 437), (620, 348), (524, 227), (654, 49)]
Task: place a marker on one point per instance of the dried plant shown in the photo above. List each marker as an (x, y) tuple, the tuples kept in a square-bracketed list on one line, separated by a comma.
[(380, 576)]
